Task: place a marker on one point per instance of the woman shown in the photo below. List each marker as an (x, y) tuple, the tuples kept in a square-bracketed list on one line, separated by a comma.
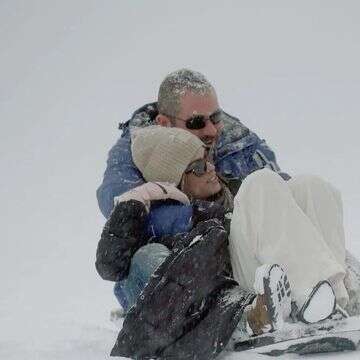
[(128, 253), (297, 224)]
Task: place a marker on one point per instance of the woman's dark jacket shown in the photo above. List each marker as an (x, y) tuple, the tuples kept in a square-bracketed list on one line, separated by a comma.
[(130, 227)]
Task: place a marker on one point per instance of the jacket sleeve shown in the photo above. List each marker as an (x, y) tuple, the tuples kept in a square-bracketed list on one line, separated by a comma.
[(123, 234), (240, 152), (167, 219), (206, 210), (120, 175)]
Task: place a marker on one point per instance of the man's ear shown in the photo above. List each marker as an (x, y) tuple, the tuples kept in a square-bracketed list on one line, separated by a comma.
[(162, 120)]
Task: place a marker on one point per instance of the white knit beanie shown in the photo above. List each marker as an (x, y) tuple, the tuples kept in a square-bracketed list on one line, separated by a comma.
[(163, 154)]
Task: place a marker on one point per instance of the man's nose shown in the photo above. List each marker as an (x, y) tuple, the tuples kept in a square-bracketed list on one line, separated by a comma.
[(209, 129)]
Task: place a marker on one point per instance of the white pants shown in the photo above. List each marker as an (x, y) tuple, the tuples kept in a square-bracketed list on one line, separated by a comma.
[(297, 224)]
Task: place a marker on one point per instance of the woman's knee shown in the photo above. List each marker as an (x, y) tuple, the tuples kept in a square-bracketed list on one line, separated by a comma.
[(149, 253), (263, 178), (313, 184), (260, 187), (307, 180)]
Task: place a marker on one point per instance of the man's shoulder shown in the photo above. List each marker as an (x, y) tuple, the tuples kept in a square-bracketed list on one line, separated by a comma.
[(146, 114), (143, 116), (233, 131), (235, 135), (233, 125)]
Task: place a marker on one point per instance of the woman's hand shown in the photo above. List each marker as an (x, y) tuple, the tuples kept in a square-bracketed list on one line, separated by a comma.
[(152, 191)]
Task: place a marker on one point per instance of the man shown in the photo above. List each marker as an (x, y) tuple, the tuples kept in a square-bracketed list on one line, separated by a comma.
[(187, 100)]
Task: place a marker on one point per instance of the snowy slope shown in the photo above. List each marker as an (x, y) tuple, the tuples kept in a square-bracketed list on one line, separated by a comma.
[(70, 70)]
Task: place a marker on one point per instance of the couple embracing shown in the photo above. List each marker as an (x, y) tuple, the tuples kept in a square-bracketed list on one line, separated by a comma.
[(206, 235)]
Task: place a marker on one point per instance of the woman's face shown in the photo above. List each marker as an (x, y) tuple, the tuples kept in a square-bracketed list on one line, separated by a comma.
[(198, 186)]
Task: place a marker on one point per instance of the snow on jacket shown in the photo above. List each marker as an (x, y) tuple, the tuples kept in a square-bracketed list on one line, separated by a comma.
[(218, 299), (239, 152), (130, 227)]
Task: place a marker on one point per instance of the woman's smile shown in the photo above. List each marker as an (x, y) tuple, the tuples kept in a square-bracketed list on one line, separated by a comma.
[(213, 179)]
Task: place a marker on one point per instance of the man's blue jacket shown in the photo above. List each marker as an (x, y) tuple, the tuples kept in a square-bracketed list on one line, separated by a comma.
[(239, 151)]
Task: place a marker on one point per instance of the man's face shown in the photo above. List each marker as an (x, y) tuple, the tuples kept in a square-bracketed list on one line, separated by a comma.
[(206, 105)]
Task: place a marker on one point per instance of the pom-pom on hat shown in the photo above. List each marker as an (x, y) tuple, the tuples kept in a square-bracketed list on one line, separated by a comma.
[(163, 154)]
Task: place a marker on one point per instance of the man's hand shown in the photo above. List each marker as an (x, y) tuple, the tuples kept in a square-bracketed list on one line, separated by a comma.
[(153, 191)]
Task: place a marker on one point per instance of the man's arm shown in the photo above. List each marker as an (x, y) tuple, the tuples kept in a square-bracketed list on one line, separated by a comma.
[(240, 152), (120, 175)]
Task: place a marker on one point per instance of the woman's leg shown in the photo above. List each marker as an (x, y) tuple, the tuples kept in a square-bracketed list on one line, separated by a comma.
[(322, 204), (268, 226), (144, 262)]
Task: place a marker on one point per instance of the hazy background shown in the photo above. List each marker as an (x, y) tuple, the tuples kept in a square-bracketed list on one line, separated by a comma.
[(71, 70)]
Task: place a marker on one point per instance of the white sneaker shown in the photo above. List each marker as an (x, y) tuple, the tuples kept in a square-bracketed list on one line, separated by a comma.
[(320, 304)]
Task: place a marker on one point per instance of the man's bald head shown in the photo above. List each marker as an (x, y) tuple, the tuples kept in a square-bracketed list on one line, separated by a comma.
[(184, 94)]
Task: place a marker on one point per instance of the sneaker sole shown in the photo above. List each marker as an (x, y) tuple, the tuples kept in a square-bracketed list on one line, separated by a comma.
[(277, 294)]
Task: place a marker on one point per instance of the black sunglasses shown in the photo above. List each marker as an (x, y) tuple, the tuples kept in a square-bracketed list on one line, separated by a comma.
[(198, 121), (198, 167)]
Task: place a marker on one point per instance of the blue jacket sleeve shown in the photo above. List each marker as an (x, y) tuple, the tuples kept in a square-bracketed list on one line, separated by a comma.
[(120, 175), (167, 220), (240, 152)]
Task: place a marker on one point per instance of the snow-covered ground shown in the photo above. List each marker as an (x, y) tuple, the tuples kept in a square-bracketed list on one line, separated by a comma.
[(70, 70)]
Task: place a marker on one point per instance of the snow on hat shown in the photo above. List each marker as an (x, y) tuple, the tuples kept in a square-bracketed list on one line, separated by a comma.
[(163, 154)]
